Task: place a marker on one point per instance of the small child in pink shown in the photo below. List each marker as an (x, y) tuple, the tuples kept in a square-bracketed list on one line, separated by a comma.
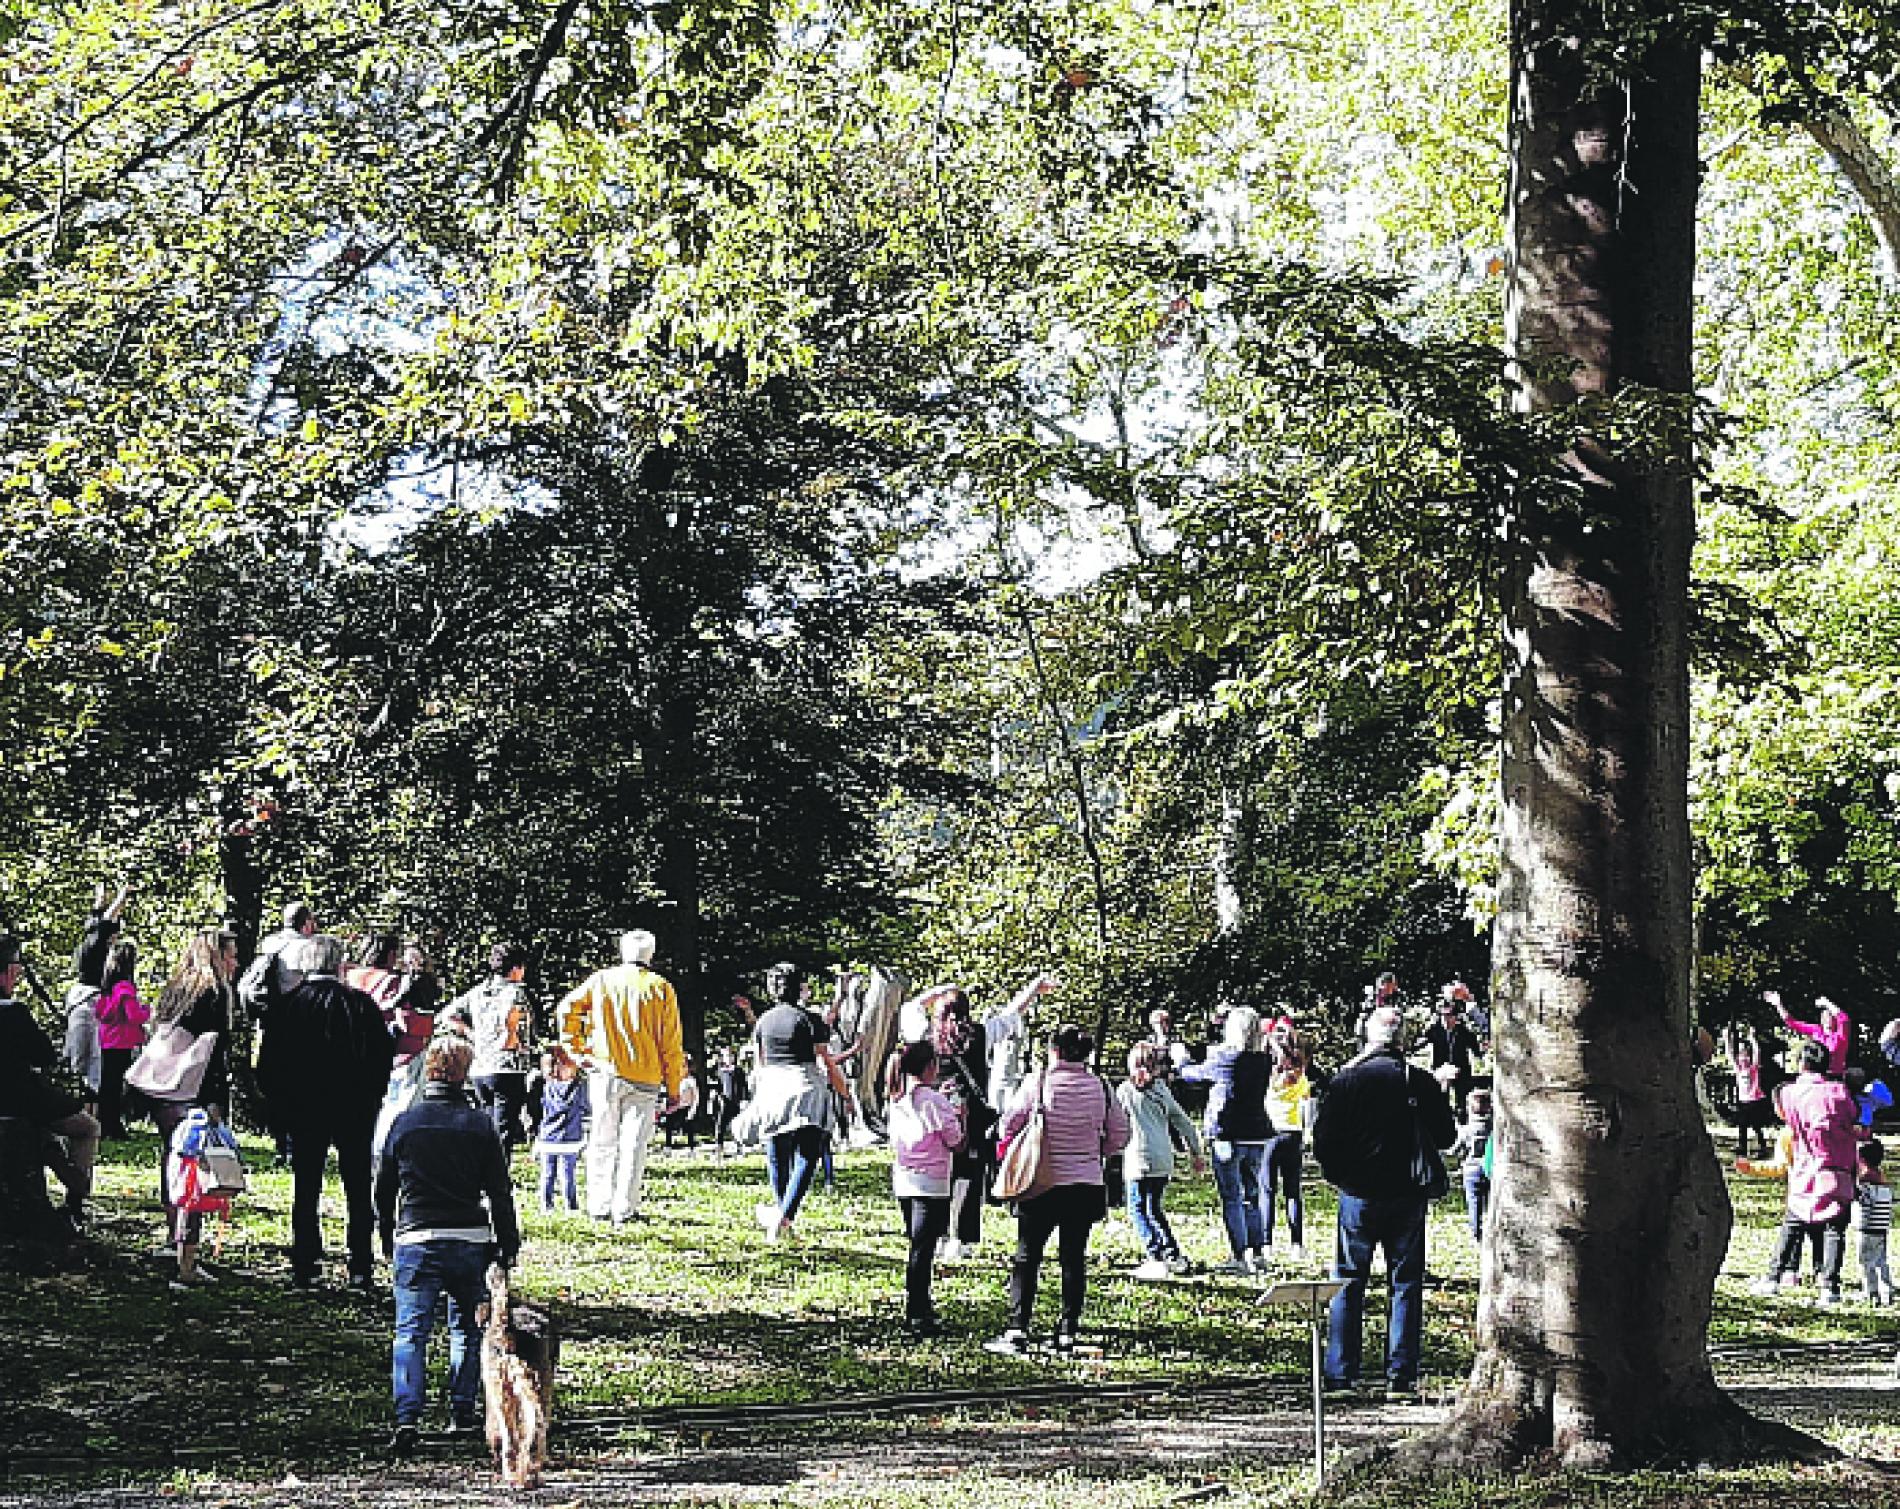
[(925, 1129)]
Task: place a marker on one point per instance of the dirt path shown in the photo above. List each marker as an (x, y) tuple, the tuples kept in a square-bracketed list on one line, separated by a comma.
[(1839, 1397)]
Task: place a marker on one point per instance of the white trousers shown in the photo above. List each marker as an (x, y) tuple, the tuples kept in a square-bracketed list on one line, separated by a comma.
[(623, 1118)]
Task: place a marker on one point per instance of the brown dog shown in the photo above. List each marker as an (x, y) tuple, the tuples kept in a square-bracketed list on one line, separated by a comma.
[(519, 1350)]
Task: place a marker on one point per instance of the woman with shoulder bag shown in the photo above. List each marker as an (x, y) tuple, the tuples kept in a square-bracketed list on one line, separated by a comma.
[(1082, 1125), (197, 1001)]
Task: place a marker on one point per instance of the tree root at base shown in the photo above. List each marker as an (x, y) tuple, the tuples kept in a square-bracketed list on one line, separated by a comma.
[(1490, 1436)]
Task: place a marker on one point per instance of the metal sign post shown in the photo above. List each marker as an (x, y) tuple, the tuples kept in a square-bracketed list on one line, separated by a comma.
[(1313, 1295)]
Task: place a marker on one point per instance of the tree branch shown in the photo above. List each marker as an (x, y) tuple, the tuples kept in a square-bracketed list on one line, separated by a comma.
[(167, 59), (195, 125), (1849, 150), (516, 115)]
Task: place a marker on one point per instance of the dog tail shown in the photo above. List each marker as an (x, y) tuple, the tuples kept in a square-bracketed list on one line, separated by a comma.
[(498, 1296)]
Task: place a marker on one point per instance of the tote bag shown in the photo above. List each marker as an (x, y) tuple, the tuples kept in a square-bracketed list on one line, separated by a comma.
[(172, 1065), (1019, 1170)]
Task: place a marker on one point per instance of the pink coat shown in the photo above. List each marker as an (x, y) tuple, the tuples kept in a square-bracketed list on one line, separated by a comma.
[(925, 1131), (122, 1017), (1084, 1123), (1833, 1038), (1824, 1122)]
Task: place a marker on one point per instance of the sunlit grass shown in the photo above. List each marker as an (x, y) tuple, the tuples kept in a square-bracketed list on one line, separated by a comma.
[(694, 1307)]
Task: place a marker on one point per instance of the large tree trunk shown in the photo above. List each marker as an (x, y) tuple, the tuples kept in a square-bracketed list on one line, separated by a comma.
[(1230, 839), (1611, 1218), (678, 868), (240, 872)]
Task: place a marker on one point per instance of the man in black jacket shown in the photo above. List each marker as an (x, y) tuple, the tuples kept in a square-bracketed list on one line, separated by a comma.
[(1377, 1113), (324, 1069), (1454, 1045), (443, 1160), (27, 1057)]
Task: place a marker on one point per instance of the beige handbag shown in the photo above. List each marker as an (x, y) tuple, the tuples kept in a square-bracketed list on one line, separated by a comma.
[(1019, 1171), (172, 1065)]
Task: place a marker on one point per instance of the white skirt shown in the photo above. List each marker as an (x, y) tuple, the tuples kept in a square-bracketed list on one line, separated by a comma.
[(785, 1098)]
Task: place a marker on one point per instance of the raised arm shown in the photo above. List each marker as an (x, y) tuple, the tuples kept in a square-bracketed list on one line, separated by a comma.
[(1002, 1025)]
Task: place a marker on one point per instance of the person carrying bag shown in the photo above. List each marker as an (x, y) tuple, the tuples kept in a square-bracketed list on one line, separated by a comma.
[(184, 1072), (1059, 1131)]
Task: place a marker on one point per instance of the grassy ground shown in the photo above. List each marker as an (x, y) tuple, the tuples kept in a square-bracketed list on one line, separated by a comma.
[(694, 1307)]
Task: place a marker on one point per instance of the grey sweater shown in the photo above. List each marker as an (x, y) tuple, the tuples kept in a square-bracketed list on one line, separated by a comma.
[(1151, 1113)]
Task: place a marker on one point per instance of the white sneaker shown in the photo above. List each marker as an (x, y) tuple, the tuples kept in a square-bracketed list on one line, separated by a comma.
[(1154, 1268), (1259, 1260), (1827, 1299), (1765, 1288), (1012, 1343), (1297, 1252), (950, 1250), (766, 1214), (1233, 1265)]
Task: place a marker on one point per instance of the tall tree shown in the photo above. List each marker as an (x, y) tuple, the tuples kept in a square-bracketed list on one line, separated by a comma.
[(1612, 1219)]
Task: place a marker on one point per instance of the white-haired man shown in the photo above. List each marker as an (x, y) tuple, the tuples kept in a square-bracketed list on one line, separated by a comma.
[(624, 1025), (324, 1068), (1378, 1112)]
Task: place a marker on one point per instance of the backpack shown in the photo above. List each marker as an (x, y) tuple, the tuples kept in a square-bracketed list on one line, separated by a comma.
[(204, 1170)]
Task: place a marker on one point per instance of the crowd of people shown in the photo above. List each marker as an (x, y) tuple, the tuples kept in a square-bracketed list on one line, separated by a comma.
[(423, 1097)]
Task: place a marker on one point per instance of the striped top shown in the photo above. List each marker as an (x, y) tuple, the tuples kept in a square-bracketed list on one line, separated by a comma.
[(1873, 1208)]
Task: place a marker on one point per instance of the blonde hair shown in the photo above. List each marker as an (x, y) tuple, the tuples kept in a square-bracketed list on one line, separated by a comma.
[(200, 971), (446, 1060), (1145, 1056)]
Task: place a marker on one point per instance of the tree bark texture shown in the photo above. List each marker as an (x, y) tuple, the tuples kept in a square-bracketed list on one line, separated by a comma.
[(242, 875), (1230, 912), (1854, 156), (675, 763), (1610, 1218)]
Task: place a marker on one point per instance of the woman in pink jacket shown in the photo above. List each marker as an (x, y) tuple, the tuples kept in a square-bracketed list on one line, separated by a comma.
[(1833, 1032), (1823, 1124), (1083, 1125), (122, 1018)]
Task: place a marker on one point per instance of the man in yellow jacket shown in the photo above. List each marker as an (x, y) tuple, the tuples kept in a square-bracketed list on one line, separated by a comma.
[(623, 1024)]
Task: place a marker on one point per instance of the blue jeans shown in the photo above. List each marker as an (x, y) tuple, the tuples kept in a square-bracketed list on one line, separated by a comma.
[(1398, 1226), (1477, 1197), (791, 1159), (557, 1172), (1151, 1225), (423, 1272), (1237, 1177)]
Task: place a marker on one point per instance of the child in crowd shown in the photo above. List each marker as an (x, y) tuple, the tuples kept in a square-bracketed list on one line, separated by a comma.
[(1871, 1096), (1873, 1215), (685, 1116), (1474, 1137), (1289, 1104), (563, 1125), (1156, 1119), (925, 1131), (122, 1018), (1754, 1112)]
